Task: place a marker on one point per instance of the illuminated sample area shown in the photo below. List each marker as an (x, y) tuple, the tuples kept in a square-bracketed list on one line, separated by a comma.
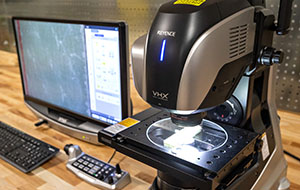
[(187, 141)]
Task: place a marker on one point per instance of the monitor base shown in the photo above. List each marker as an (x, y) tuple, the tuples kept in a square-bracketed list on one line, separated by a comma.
[(85, 131)]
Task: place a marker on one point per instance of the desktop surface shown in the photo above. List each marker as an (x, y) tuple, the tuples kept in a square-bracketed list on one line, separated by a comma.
[(54, 174)]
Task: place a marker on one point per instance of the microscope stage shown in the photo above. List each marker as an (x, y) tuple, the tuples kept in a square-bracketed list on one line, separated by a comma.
[(210, 147)]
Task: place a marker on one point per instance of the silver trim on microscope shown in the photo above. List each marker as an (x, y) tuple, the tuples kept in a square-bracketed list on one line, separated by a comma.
[(138, 53), (203, 64)]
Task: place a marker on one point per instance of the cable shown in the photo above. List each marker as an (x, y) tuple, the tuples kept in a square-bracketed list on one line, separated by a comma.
[(112, 156), (291, 155)]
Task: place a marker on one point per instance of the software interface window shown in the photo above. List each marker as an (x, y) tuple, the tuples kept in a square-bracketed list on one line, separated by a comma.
[(73, 66), (104, 77)]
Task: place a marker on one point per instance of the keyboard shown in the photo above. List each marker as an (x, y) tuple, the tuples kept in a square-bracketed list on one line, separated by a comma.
[(22, 150)]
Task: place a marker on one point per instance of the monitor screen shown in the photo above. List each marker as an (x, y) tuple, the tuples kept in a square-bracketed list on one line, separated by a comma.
[(74, 66)]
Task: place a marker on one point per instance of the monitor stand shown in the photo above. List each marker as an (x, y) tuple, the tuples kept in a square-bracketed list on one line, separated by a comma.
[(82, 130)]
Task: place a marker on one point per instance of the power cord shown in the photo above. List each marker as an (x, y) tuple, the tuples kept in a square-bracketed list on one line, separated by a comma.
[(291, 155), (112, 156)]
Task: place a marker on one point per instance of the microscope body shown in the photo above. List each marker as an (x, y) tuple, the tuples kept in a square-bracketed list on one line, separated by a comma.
[(216, 58), (193, 57)]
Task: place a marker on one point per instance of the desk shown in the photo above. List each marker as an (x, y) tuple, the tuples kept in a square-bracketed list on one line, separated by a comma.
[(54, 175)]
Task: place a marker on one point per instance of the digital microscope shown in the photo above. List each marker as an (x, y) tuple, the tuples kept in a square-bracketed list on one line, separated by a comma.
[(206, 66)]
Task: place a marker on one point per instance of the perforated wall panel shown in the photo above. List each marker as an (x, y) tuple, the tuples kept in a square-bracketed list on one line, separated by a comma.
[(139, 15), (288, 73)]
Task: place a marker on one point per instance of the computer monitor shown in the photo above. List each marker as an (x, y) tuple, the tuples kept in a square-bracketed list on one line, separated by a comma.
[(74, 72)]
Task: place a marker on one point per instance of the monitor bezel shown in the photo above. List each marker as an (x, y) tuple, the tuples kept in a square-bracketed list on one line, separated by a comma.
[(124, 67)]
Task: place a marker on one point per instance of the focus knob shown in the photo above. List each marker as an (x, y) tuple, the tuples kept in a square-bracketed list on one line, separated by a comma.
[(270, 56), (277, 57)]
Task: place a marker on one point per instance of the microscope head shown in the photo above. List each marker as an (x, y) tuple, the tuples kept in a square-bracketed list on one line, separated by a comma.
[(194, 55)]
